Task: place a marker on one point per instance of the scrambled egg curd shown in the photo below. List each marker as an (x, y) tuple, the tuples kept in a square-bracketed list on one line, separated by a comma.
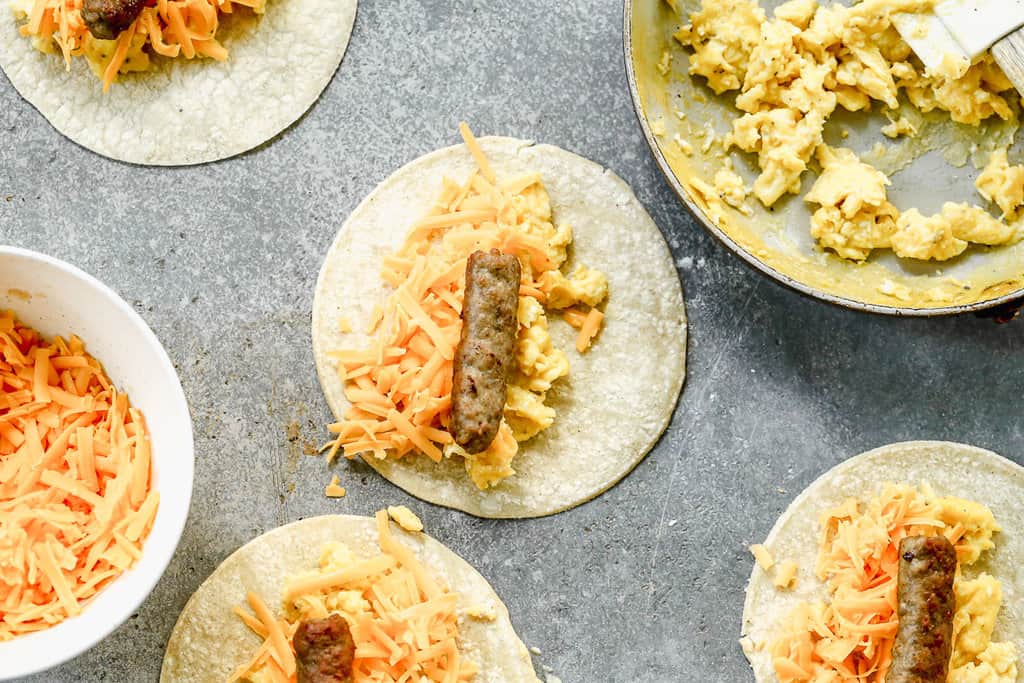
[(858, 563), (792, 73)]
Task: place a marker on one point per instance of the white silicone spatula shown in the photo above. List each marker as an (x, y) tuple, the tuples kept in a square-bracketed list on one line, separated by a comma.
[(964, 29)]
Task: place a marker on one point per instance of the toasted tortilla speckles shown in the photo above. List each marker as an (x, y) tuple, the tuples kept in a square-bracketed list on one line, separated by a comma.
[(618, 397), (182, 111), (952, 469), (210, 641)]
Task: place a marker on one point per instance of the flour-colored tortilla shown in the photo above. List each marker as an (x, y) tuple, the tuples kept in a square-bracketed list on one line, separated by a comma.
[(618, 397), (183, 111), (953, 470), (210, 641)]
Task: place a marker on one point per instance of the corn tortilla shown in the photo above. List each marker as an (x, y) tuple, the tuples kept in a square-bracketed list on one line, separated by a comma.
[(190, 111), (618, 397)]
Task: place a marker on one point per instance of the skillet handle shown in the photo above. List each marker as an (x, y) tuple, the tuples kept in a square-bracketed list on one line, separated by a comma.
[(1003, 313)]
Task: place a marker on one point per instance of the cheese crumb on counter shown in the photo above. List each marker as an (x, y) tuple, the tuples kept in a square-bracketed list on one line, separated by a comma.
[(405, 518), (333, 490), (762, 556)]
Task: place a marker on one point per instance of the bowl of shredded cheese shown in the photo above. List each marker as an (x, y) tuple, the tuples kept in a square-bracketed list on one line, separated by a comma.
[(96, 461)]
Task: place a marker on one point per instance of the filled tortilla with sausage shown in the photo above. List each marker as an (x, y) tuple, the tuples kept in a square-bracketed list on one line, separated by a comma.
[(829, 594), (211, 640), (174, 100), (591, 420)]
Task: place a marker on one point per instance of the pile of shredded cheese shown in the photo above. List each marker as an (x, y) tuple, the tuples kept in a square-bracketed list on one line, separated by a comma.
[(403, 620), (400, 388), (850, 638), (169, 28), (75, 497)]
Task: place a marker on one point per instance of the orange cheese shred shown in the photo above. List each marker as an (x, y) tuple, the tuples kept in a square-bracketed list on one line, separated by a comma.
[(589, 329), (76, 502)]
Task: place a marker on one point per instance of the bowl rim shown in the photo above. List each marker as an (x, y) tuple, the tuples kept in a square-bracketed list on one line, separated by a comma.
[(1014, 298), (176, 524)]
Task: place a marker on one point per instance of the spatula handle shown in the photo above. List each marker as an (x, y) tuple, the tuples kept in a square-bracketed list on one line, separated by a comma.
[(1009, 54)]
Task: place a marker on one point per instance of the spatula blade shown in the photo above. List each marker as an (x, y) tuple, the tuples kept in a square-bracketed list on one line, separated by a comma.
[(978, 24), (929, 38)]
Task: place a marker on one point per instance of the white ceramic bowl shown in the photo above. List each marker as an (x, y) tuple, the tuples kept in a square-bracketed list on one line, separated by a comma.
[(58, 299)]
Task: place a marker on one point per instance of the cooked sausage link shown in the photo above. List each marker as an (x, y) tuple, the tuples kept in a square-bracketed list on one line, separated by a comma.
[(107, 18), (486, 350), (324, 651), (924, 641)]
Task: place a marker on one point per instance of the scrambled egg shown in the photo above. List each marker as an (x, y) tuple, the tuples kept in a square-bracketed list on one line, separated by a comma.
[(975, 657), (99, 53), (948, 233), (730, 187), (538, 363), (1002, 184), (792, 73), (334, 557), (855, 215), (899, 127)]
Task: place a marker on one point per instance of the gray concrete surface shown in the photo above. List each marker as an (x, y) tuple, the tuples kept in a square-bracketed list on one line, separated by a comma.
[(643, 584)]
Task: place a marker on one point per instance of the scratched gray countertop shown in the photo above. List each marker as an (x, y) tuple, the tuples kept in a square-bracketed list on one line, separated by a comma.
[(646, 582)]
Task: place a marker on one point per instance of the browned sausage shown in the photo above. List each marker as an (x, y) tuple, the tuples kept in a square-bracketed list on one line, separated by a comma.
[(324, 651), (924, 641), (486, 350), (107, 18)]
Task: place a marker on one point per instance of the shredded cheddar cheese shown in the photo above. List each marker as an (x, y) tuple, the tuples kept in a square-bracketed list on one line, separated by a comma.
[(75, 497), (405, 518), (333, 490), (762, 556), (168, 28), (403, 620), (785, 575), (400, 388), (849, 639)]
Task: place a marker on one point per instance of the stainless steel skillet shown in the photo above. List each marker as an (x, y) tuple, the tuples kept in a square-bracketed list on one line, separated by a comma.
[(677, 112)]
